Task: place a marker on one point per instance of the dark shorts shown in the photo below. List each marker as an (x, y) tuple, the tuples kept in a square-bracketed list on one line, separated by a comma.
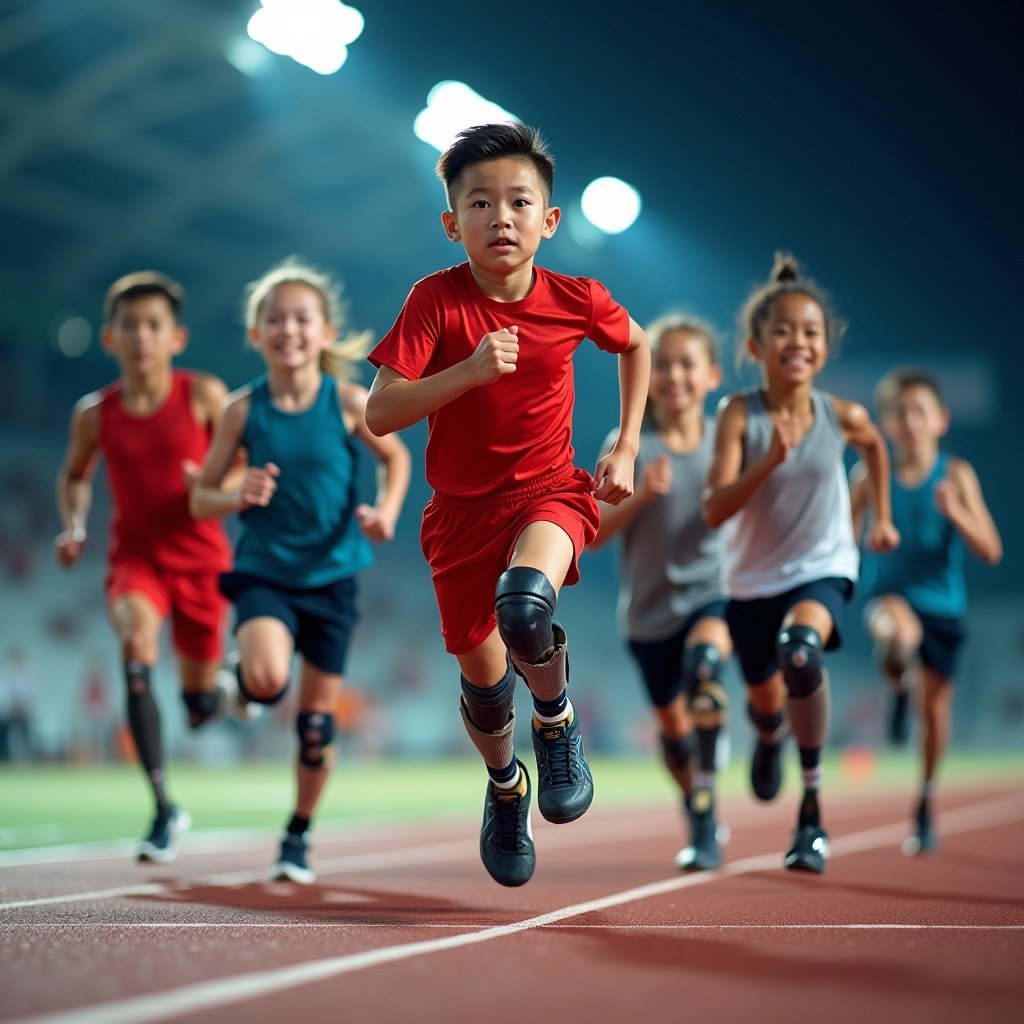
[(468, 543), (320, 619), (941, 640), (755, 624), (661, 661)]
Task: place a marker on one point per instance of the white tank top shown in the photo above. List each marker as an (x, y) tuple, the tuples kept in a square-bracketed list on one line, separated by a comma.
[(797, 527)]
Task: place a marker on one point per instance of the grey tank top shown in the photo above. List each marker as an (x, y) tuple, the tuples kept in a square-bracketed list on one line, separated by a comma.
[(669, 558), (797, 527)]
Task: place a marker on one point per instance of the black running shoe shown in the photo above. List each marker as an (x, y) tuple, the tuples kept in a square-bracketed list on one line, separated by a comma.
[(161, 845), (565, 787), (899, 718), (809, 851), (291, 864), (506, 839), (923, 840), (766, 769), (704, 852)]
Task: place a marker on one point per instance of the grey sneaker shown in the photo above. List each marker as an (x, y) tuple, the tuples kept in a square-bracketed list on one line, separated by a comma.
[(165, 834), (705, 850), (291, 864), (809, 851)]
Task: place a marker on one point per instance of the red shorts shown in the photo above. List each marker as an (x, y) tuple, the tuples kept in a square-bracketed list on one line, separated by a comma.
[(197, 608), (468, 543)]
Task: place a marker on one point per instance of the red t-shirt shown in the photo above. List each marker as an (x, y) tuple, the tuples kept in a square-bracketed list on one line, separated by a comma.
[(150, 519), (501, 434)]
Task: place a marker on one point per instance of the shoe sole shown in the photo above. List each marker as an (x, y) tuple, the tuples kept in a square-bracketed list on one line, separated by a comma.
[(284, 872)]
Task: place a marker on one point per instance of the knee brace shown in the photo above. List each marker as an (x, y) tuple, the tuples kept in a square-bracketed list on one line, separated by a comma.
[(706, 697), (524, 605), (201, 706), (316, 732), (800, 658)]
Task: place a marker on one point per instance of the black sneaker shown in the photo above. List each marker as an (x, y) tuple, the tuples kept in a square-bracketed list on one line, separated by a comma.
[(291, 864), (704, 852), (766, 769), (506, 839), (161, 845), (565, 787), (809, 851), (923, 840), (899, 718)]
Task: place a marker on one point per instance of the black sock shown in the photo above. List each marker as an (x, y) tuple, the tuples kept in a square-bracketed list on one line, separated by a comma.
[(144, 723), (552, 708), (298, 825)]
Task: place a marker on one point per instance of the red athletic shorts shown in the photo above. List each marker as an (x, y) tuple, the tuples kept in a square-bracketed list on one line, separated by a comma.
[(197, 608), (468, 543)]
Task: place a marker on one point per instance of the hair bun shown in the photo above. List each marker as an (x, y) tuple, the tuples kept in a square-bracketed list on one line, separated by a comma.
[(785, 268)]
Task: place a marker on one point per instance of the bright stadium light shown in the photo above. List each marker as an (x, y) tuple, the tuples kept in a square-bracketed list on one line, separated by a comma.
[(451, 107), (316, 33), (610, 204)]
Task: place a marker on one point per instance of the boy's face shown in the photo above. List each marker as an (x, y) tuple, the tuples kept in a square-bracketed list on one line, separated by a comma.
[(500, 214), (143, 334), (915, 420)]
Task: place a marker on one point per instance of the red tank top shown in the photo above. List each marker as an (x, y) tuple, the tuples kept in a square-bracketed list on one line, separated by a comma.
[(150, 519)]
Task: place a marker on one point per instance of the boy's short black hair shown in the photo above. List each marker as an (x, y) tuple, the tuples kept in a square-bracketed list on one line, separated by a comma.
[(492, 142), (895, 382), (140, 284)]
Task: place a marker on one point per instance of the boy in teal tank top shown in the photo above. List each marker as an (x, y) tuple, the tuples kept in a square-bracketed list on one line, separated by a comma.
[(917, 594)]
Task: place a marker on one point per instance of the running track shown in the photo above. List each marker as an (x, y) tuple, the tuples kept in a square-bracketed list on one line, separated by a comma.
[(404, 925)]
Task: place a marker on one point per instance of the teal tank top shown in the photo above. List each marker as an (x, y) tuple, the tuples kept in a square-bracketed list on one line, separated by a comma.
[(928, 566), (308, 535)]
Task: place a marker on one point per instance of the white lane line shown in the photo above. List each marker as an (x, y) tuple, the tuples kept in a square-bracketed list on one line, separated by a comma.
[(206, 995), (374, 860), (430, 926)]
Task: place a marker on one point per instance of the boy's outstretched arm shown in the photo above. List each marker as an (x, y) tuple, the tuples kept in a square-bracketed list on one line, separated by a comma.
[(74, 481), (959, 499), (614, 472), (396, 402)]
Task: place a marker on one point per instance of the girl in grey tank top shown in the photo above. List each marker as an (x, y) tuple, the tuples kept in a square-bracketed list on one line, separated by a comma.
[(670, 607), (777, 485)]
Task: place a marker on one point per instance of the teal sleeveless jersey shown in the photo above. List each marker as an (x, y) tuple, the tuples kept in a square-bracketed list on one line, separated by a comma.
[(308, 535), (927, 567)]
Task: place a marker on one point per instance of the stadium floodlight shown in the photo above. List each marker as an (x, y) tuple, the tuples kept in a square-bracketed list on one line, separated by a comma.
[(610, 204), (316, 33), (451, 107)]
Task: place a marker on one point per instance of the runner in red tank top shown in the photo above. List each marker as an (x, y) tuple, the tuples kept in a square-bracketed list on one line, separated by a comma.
[(153, 426)]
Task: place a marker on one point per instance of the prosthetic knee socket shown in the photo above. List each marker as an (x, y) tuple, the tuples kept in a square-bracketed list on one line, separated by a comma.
[(706, 697), (524, 606), (799, 651), (316, 733)]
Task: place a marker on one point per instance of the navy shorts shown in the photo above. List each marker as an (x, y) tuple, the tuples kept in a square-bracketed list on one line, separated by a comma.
[(941, 640), (320, 619), (755, 624), (661, 661)]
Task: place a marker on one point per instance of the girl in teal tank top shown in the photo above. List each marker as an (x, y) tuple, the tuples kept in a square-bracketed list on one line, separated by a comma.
[(303, 534)]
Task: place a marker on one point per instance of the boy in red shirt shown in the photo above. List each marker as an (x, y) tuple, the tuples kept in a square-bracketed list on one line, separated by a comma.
[(484, 351), (153, 426)]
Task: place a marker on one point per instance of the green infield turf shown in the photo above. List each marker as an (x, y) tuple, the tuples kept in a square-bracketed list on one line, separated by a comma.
[(52, 805)]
